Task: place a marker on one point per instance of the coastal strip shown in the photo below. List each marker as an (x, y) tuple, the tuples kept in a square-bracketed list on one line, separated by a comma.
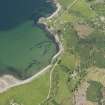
[(58, 42)]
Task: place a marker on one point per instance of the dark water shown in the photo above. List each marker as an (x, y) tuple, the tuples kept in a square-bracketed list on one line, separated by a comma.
[(25, 48), (14, 12)]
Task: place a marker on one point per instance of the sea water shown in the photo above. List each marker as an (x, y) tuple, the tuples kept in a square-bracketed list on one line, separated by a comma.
[(25, 48)]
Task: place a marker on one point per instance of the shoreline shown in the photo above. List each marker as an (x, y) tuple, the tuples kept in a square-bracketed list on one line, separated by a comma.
[(56, 40)]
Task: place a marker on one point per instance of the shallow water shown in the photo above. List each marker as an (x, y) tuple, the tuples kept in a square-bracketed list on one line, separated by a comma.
[(24, 47)]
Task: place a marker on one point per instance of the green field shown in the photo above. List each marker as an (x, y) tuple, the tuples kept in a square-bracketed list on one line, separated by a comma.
[(94, 91), (30, 94)]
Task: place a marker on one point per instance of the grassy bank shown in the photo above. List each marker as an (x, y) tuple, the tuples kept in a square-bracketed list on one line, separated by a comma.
[(29, 94)]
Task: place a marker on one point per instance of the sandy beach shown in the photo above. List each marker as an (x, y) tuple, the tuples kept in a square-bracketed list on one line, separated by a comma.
[(56, 12)]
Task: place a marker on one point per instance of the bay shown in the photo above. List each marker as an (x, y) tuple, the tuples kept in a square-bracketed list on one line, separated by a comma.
[(25, 48)]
